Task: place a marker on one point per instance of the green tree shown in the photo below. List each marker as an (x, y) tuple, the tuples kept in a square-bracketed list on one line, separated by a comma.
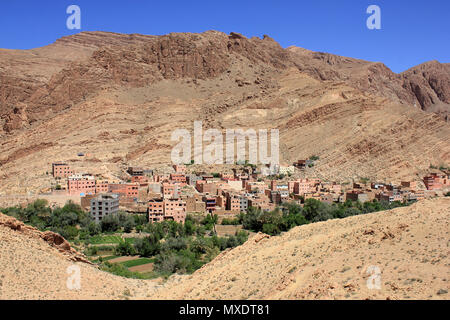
[(147, 247), (69, 232), (110, 223), (94, 228), (128, 224), (124, 248)]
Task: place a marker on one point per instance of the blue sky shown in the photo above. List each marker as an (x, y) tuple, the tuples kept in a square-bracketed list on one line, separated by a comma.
[(411, 32)]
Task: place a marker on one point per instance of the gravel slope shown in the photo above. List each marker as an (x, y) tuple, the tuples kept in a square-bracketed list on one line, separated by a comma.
[(327, 260)]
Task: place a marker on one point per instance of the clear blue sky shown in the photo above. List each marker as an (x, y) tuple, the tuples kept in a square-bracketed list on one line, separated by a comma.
[(411, 32)]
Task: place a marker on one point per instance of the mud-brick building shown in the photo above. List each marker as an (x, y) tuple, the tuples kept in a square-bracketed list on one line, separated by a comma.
[(61, 170)]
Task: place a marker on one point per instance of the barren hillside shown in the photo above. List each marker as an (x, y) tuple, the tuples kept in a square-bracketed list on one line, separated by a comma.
[(330, 259), (119, 97)]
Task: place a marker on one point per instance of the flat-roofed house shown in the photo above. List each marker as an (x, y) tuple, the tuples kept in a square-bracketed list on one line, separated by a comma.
[(61, 170), (103, 205)]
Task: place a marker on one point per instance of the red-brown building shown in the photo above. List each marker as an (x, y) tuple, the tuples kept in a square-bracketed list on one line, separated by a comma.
[(178, 177), (203, 186), (101, 186), (127, 190), (435, 181), (179, 168), (210, 203), (61, 170), (166, 209), (81, 184), (169, 190), (141, 180)]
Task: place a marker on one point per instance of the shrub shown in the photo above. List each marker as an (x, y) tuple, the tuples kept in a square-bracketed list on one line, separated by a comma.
[(189, 228), (92, 251), (110, 223), (128, 224), (125, 249), (120, 270), (68, 232), (183, 261), (148, 246), (227, 221), (94, 228)]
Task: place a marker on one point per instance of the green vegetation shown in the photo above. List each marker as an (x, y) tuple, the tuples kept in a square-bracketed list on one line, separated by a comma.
[(104, 259), (120, 270), (113, 223), (69, 221), (171, 246), (99, 239), (291, 214), (181, 255), (72, 222), (364, 180), (183, 248), (137, 262), (314, 158), (232, 222), (125, 249), (175, 247)]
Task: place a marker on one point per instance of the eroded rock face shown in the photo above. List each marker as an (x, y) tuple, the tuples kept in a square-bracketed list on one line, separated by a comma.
[(425, 86), (430, 83), (16, 119), (75, 68)]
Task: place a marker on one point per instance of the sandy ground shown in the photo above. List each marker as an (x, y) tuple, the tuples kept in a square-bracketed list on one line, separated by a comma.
[(403, 253), (224, 230), (142, 268)]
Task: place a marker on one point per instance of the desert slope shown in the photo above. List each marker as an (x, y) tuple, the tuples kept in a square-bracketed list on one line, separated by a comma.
[(316, 261), (329, 260), (32, 268)]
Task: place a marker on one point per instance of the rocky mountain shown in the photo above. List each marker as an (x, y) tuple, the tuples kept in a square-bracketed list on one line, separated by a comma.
[(430, 83), (406, 247), (119, 97)]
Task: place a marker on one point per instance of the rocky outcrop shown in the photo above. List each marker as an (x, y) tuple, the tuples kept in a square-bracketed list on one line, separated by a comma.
[(105, 60), (52, 239), (425, 86), (430, 84)]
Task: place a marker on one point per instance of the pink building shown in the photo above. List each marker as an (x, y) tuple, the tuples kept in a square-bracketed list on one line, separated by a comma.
[(302, 186), (61, 170), (179, 168), (166, 209), (169, 190), (81, 184), (101, 186), (178, 177), (127, 190), (433, 181)]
